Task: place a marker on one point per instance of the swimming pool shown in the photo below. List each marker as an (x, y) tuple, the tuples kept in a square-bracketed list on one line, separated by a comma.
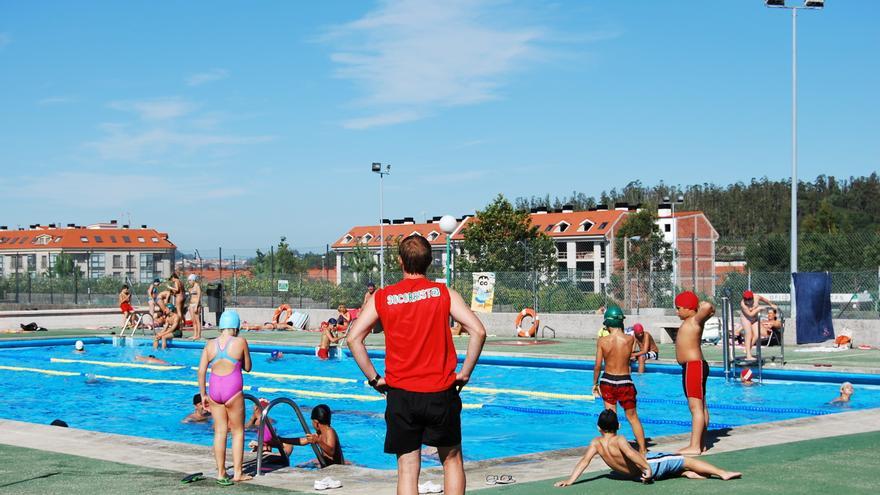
[(512, 406)]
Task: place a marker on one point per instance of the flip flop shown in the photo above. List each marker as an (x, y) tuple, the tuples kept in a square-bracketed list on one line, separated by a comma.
[(192, 478), (504, 479), (224, 482)]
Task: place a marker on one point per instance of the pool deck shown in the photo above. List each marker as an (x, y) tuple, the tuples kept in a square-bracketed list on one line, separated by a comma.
[(541, 467)]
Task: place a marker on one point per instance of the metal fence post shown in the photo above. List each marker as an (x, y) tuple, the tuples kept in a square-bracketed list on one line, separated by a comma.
[(694, 260), (75, 284), (272, 276), (17, 267)]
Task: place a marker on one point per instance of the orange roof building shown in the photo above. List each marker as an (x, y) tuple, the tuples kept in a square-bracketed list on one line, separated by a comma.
[(99, 250)]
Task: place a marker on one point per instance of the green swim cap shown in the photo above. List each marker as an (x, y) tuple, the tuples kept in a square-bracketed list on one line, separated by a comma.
[(613, 317)]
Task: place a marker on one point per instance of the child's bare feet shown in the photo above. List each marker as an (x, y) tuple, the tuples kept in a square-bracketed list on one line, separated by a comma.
[(692, 475), (730, 475), (690, 451), (242, 477)]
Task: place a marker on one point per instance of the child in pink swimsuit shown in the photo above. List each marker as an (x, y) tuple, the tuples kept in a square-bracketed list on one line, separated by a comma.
[(227, 355)]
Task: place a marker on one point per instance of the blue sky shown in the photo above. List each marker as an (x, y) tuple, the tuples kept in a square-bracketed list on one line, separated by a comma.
[(231, 124)]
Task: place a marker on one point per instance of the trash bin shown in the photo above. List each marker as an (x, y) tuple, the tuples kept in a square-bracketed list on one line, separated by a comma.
[(214, 296)]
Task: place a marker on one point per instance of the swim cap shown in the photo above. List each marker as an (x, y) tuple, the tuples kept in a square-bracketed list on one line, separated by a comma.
[(79, 345), (332, 321), (275, 354), (638, 328), (192, 277), (230, 319), (747, 294), (170, 306), (156, 280), (746, 375), (687, 300), (613, 317)]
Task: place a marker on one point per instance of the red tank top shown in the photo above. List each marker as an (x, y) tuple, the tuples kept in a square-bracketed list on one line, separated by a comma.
[(419, 354)]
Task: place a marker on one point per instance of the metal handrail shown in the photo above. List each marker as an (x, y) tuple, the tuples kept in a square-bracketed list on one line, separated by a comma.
[(264, 420), (725, 333)]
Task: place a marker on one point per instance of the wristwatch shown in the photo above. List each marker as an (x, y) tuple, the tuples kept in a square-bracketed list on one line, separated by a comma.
[(374, 381)]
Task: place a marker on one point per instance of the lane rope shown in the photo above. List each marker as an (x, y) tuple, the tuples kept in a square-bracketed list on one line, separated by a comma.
[(283, 376), (119, 365), (556, 412), (527, 393), (322, 395), (37, 370), (738, 407)]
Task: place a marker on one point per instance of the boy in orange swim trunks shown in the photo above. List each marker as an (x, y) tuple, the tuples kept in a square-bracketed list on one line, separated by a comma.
[(694, 369)]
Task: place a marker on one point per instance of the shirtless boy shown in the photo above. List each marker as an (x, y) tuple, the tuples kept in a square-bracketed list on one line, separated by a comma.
[(694, 369), (173, 327), (751, 310), (616, 384), (645, 347), (623, 459), (328, 337)]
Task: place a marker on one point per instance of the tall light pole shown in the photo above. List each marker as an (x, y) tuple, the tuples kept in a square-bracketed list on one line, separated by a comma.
[(780, 4), (382, 171), (448, 223), (679, 199)]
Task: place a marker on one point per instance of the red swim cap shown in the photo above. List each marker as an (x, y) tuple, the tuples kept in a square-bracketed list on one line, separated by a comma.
[(747, 294), (688, 300), (638, 328)]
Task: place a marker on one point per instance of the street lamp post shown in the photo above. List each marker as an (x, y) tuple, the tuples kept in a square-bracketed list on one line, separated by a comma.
[(679, 199), (382, 171), (814, 5), (448, 223)]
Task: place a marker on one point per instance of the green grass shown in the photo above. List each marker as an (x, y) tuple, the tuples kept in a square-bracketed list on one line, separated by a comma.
[(28, 471), (839, 465)]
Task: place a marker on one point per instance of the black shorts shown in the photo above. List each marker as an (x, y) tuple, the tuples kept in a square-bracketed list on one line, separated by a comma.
[(416, 418)]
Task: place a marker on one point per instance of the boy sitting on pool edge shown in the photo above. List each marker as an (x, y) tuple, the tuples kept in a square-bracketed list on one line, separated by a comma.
[(622, 458)]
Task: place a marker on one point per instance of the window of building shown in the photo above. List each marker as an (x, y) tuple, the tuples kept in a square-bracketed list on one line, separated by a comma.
[(12, 241), (84, 239), (368, 238), (603, 225), (96, 265), (21, 241), (126, 238), (154, 239), (348, 238), (585, 226), (433, 235), (44, 262), (549, 228), (129, 261), (667, 227), (43, 240), (562, 226), (53, 258), (1, 264), (141, 239), (31, 262), (147, 267), (117, 261), (98, 239), (113, 239)]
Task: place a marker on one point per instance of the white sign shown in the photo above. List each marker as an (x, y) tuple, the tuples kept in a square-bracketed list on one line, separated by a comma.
[(283, 285)]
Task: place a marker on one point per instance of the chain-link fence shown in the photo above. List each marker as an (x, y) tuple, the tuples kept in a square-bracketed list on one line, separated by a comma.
[(645, 281)]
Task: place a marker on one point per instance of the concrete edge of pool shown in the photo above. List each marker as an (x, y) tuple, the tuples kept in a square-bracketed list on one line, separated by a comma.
[(548, 465)]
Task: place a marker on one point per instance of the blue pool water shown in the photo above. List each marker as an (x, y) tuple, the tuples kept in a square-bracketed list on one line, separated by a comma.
[(498, 423)]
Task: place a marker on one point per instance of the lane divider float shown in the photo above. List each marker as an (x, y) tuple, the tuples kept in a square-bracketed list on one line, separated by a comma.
[(118, 365)]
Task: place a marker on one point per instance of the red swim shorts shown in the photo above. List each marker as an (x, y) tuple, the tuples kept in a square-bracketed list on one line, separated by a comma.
[(323, 354), (693, 379), (618, 388), (126, 307)]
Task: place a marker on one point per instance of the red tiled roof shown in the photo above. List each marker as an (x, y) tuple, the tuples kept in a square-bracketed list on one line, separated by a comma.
[(596, 223), (392, 232), (82, 238)]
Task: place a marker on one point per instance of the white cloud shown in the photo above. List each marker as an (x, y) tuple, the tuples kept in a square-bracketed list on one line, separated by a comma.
[(206, 77), (113, 190), (5, 39), (410, 56), (155, 109), (382, 119), (155, 144), (55, 100)]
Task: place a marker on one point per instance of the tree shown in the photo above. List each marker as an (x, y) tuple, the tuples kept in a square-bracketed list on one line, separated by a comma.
[(650, 251), (64, 266), (503, 239), (282, 260)]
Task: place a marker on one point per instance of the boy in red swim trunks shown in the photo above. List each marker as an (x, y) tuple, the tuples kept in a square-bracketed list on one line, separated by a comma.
[(694, 369), (328, 337), (125, 304), (616, 384)]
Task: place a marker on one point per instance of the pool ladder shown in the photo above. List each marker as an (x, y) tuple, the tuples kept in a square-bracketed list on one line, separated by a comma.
[(264, 417)]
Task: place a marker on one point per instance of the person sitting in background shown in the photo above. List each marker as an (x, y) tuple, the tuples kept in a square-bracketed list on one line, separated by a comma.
[(457, 330), (173, 327), (199, 414), (645, 348), (328, 337), (846, 392), (344, 318)]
